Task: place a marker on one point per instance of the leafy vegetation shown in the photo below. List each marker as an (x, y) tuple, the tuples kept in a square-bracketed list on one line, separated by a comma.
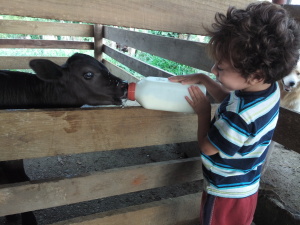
[(167, 65)]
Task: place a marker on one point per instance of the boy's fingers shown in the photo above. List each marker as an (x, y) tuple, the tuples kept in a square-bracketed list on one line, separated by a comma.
[(189, 100), (191, 92), (184, 79), (176, 78), (195, 91)]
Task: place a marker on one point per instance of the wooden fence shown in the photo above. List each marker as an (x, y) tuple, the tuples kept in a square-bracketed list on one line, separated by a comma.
[(36, 133)]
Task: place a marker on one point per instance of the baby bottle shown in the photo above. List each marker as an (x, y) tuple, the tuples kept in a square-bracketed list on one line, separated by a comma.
[(159, 93)]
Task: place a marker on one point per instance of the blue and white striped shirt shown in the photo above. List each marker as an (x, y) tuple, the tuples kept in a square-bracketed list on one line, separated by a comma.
[(241, 130)]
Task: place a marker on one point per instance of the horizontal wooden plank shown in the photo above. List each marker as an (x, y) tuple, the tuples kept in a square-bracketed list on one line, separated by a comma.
[(117, 71), (167, 15), (27, 196), (287, 129), (39, 133), (18, 62), (135, 64), (22, 43), (183, 210), (185, 52), (46, 28)]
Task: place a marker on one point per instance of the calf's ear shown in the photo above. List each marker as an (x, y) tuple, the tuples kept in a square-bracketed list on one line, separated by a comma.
[(46, 70)]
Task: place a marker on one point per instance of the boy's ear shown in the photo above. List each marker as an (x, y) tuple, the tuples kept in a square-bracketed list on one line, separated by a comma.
[(256, 78)]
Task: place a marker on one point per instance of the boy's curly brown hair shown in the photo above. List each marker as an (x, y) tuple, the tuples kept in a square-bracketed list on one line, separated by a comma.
[(262, 40)]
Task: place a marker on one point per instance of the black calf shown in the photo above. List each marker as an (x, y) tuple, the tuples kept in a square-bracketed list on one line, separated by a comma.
[(81, 80)]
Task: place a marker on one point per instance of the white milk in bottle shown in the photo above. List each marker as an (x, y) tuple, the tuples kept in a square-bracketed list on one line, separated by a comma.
[(159, 93)]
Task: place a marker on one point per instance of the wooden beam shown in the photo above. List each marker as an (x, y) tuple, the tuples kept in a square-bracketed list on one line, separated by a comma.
[(38, 133), (20, 43), (167, 15), (183, 210), (135, 64), (18, 62), (46, 28), (98, 40), (185, 52), (117, 71), (27, 196), (287, 129)]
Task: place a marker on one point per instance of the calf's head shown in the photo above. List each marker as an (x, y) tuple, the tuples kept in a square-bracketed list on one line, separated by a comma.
[(84, 78)]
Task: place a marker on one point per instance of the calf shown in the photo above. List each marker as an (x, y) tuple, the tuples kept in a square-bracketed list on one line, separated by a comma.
[(81, 80)]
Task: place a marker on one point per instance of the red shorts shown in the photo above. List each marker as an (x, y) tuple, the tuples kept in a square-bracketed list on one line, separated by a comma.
[(227, 211)]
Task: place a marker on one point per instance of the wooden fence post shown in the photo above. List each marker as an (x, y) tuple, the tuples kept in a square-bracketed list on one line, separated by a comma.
[(98, 41)]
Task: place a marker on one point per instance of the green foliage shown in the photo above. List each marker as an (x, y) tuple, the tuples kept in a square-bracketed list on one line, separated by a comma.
[(164, 64), (164, 34)]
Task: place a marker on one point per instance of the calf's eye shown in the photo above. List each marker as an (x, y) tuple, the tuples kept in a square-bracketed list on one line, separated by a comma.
[(88, 75)]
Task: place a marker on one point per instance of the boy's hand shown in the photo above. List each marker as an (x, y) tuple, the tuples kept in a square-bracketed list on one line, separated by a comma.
[(202, 107), (187, 79), (198, 101)]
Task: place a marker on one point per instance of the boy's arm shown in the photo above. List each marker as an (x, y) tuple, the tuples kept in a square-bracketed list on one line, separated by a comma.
[(213, 88), (202, 107)]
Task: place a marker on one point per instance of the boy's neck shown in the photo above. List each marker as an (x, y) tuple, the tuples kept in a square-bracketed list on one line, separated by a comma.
[(257, 87)]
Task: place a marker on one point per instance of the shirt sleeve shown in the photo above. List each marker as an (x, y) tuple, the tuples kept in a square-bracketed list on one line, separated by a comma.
[(229, 133)]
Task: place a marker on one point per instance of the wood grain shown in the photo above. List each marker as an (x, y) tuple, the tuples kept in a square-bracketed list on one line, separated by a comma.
[(27, 196), (167, 15), (21, 43), (288, 129), (135, 64), (46, 28), (39, 133), (98, 41), (185, 52), (19, 62)]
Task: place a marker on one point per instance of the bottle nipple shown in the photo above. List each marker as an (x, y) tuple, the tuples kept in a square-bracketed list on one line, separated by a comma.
[(131, 91)]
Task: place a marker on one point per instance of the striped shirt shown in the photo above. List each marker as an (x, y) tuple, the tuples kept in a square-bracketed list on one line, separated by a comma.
[(241, 130)]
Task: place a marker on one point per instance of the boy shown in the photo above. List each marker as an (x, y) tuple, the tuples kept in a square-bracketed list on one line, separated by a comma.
[(252, 49)]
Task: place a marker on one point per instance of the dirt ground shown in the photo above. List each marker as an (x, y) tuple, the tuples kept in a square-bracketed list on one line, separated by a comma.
[(282, 176)]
